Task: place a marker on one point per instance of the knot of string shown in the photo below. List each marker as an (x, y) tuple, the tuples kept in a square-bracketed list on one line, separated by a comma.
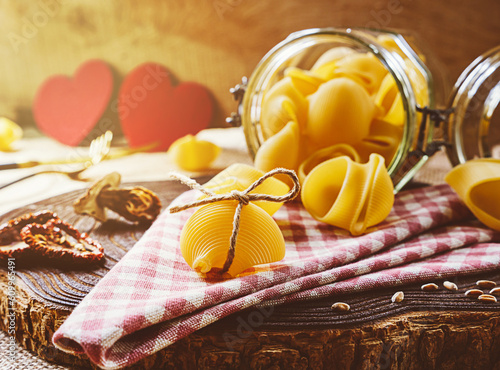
[(242, 197)]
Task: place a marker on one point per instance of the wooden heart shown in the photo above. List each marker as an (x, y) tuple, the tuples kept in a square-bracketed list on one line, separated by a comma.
[(67, 109), (151, 110)]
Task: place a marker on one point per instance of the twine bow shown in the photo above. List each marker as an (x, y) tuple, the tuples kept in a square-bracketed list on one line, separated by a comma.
[(242, 197)]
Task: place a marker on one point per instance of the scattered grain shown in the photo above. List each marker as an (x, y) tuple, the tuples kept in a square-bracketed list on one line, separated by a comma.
[(341, 306), (473, 293), (429, 287), (486, 284), (487, 298), (450, 286), (495, 291), (398, 297)]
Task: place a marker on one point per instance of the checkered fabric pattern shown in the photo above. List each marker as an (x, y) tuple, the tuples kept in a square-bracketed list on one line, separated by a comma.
[(154, 295)]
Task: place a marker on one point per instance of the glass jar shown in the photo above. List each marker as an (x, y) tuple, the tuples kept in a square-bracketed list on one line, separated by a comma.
[(473, 128), (424, 128)]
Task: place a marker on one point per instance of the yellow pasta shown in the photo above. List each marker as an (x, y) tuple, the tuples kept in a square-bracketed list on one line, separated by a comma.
[(280, 150), (365, 66), (326, 71), (349, 195), (380, 127), (331, 55), (305, 81), (240, 176), (192, 154), (384, 139), (10, 132), (205, 238), (327, 62), (282, 103), (386, 146), (323, 155), (477, 183), (389, 100), (340, 111), (418, 83), (354, 111), (390, 44)]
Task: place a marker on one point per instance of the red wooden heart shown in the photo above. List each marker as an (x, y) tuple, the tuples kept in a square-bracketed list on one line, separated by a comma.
[(151, 110), (68, 108)]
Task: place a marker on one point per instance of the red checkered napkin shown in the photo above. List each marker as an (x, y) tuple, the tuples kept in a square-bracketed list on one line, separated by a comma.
[(151, 298)]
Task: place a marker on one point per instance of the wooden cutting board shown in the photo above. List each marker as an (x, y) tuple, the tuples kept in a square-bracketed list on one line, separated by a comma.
[(428, 330)]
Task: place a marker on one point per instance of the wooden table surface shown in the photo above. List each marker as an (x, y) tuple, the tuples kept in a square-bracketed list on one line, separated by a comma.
[(423, 333), (429, 330)]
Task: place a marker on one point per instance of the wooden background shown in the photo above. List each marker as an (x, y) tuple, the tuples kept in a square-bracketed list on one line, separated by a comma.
[(213, 42)]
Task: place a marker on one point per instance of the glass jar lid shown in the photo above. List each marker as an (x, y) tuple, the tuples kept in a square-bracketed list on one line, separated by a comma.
[(473, 129)]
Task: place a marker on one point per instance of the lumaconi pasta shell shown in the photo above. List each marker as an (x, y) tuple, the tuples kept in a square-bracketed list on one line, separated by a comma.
[(384, 139), (280, 150), (379, 127), (386, 146), (418, 82), (325, 154), (366, 66), (305, 81), (390, 44), (329, 57), (205, 238), (387, 93), (9, 133), (192, 154), (477, 183), (389, 99), (240, 176), (282, 103), (326, 70), (340, 111), (276, 114), (349, 195)]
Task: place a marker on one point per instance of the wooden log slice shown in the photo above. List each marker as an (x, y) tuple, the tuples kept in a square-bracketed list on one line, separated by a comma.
[(440, 329)]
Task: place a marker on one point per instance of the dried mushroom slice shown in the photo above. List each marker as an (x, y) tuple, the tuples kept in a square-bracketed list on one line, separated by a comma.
[(11, 242), (59, 240), (136, 204), (88, 204)]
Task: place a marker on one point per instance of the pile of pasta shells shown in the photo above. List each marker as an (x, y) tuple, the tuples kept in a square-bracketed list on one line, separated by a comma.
[(336, 125), (347, 105)]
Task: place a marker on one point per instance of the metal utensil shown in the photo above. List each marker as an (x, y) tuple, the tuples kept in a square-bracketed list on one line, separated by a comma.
[(114, 153), (99, 148)]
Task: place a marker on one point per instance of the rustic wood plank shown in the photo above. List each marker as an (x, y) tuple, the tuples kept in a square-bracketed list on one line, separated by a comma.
[(419, 339), (438, 329)]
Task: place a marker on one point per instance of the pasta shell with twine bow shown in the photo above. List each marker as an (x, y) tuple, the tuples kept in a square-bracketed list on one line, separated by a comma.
[(229, 234)]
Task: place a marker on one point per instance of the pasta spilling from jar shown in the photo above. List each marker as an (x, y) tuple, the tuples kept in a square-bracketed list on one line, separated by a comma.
[(346, 105), (349, 195), (346, 98)]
